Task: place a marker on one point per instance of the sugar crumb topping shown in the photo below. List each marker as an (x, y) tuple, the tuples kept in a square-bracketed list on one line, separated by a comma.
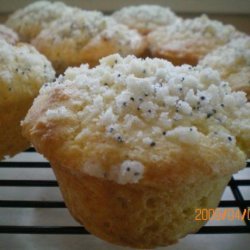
[(205, 33), (150, 102), (204, 26), (145, 17), (57, 113), (30, 20), (178, 98)]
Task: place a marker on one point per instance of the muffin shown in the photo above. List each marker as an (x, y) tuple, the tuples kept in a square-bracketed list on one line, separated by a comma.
[(8, 35), (22, 72), (29, 21), (145, 18), (85, 37), (187, 41), (232, 61), (137, 145)]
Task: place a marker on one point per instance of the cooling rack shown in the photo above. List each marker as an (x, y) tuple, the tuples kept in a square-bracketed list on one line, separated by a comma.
[(34, 199)]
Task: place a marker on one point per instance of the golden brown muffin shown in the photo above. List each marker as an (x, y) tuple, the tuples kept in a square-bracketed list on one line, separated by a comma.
[(137, 145), (145, 18), (8, 34), (187, 41), (85, 37), (29, 21), (232, 61), (22, 72)]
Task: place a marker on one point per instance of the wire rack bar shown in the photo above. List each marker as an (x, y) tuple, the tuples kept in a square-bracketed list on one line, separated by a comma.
[(28, 183), (6, 164), (32, 204), (42, 230), (81, 230), (238, 196), (224, 229), (30, 150)]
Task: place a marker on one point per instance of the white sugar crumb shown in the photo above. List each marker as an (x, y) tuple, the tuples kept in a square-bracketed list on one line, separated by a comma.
[(93, 168), (127, 172), (130, 172), (229, 101), (209, 76), (108, 117), (185, 135), (147, 140), (223, 137), (156, 130), (57, 113), (165, 120), (184, 107)]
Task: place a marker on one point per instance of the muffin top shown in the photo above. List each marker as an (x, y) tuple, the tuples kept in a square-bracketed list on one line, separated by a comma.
[(23, 70), (145, 18), (63, 40), (83, 25), (232, 61), (196, 36), (85, 37), (8, 34), (29, 21), (131, 120)]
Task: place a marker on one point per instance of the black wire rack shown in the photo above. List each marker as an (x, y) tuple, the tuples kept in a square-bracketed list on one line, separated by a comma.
[(238, 203)]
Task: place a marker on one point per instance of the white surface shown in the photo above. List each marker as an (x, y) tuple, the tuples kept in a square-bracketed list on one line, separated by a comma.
[(61, 217)]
